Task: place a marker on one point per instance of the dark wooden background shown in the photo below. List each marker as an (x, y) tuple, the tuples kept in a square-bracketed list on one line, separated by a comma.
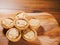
[(50, 6)]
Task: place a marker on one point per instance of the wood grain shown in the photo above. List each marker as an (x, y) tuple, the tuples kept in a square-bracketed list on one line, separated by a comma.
[(47, 21)]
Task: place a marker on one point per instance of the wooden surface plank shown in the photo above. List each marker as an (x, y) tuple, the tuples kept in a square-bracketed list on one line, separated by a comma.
[(23, 42)]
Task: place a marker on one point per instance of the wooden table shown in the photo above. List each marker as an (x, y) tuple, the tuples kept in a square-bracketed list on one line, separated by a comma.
[(47, 21)]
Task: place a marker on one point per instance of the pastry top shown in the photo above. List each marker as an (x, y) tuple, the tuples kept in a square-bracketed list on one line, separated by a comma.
[(13, 33), (21, 15), (29, 35), (7, 23), (21, 23), (34, 22)]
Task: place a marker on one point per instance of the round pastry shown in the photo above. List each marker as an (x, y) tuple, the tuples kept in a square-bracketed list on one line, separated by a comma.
[(13, 35), (34, 23), (20, 15), (7, 23), (29, 35), (21, 24)]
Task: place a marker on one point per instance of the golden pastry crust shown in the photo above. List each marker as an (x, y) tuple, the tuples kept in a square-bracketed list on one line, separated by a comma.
[(7, 23), (13, 35), (29, 35), (21, 15), (21, 24), (34, 23)]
